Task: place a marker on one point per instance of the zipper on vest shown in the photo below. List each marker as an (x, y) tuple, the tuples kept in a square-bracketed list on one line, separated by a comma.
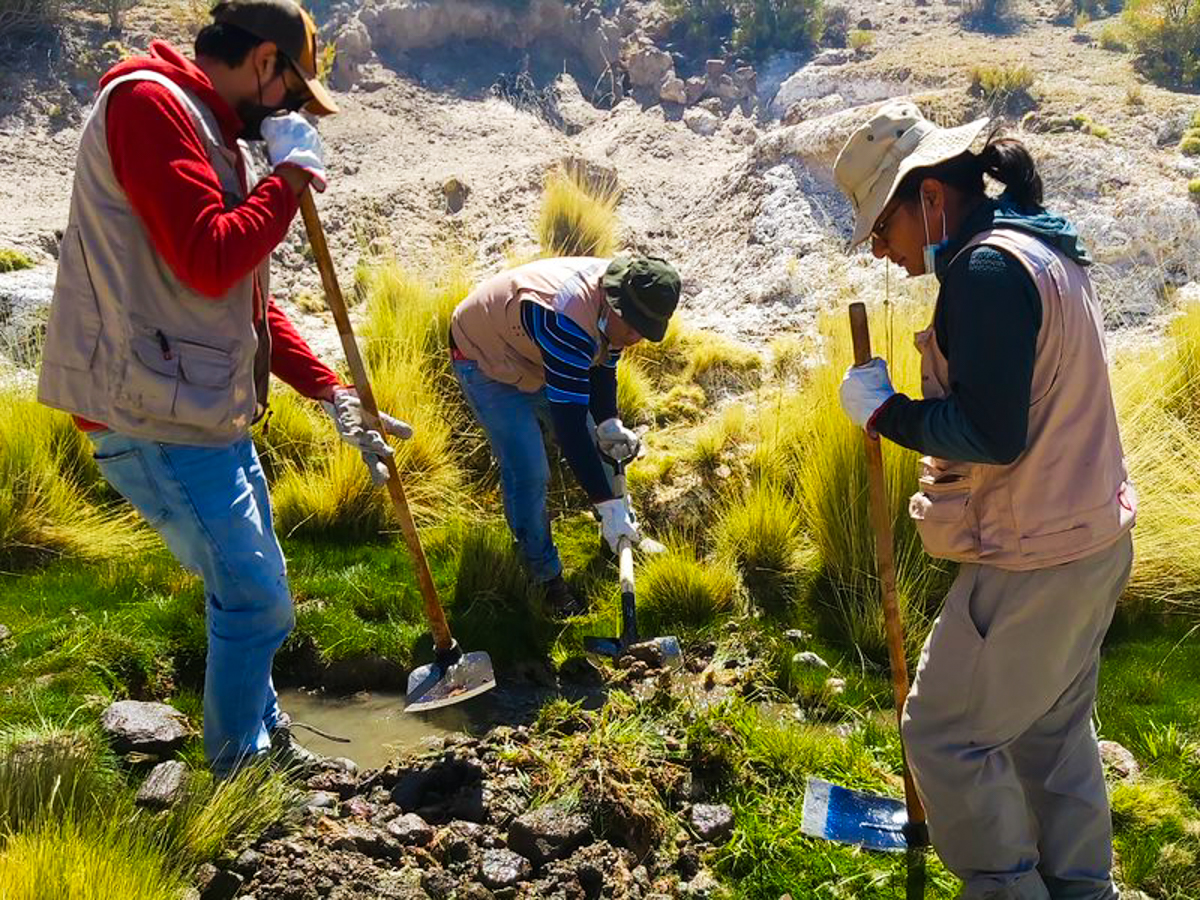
[(162, 342)]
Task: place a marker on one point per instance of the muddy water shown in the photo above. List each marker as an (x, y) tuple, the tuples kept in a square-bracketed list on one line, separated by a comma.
[(375, 723), (379, 729)]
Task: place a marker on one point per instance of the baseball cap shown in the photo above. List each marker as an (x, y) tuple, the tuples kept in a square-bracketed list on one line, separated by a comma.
[(289, 28)]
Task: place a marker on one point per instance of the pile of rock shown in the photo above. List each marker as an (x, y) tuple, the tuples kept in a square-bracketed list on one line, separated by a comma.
[(150, 733), (652, 76)]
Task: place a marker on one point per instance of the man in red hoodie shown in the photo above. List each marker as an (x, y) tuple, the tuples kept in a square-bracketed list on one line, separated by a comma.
[(163, 332)]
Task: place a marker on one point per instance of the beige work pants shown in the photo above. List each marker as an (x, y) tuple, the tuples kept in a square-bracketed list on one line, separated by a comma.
[(998, 729)]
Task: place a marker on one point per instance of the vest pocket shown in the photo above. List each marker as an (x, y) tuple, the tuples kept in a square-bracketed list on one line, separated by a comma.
[(73, 331), (942, 512), (181, 381)]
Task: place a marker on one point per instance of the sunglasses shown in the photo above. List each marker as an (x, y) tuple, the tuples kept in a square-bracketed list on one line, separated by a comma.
[(295, 99), (880, 229)]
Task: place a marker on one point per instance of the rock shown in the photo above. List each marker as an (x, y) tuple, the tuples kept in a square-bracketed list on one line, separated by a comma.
[(648, 67), (458, 842), (322, 800), (164, 785), (24, 310), (714, 69), (359, 808), (648, 652), (411, 830), (575, 111), (724, 88), (550, 832), (835, 687), (499, 869), (695, 87), (865, 24), (746, 80), (809, 659), (217, 884), (703, 886), (835, 57), (155, 729), (455, 193), (5, 633), (797, 636), (600, 41), (248, 863), (439, 884), (352, 49), (368, 840), (701, 121), (673, 90), (449, 789), (712, 822), (1119, 762)]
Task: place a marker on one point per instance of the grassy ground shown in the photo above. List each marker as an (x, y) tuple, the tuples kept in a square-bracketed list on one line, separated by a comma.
[(755, 481)]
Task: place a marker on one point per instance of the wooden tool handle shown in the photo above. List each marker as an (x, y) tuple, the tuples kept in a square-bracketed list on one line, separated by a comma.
[(442, 638), (881, 523)]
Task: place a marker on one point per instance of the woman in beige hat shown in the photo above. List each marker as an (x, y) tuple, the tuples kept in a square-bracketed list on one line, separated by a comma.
[(1024, 484)]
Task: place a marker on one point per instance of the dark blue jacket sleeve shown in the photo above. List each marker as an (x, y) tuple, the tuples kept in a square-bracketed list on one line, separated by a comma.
[(987, 322)]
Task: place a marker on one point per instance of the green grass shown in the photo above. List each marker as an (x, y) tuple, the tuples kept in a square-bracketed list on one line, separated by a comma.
[(1190, 144), (12, 260), (680, 594), (761, 533), (1193, 187), (998, 82)]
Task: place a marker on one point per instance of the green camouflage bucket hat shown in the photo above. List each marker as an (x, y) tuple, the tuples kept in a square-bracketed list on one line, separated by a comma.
[(644, 290)]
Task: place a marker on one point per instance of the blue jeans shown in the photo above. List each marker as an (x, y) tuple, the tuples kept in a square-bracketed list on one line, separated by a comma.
[(510, 418), (211, 507)]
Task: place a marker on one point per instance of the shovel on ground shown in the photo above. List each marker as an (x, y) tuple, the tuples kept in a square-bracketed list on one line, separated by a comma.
[(837, 813), (453, 676), (662, 652)]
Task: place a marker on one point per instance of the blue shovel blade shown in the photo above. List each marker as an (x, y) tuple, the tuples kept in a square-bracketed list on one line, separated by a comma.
[(852, 817)]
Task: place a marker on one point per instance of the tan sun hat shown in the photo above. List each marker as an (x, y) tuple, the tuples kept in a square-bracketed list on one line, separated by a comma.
[(897, 140)]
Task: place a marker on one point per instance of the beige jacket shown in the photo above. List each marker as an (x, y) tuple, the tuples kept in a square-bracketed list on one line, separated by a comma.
[(487, 328), (1068, 495), (128, 344)]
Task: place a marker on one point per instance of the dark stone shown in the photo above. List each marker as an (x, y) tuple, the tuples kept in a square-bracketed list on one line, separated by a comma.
[(499, 869), (164, 785), (411, 830), (688, 864), (359, 807), (155, 729), (449, 789), (439, 884), (217, 884), (248, 863), (368, 841), (712, 822), (648, 652), (332, 781), (866, 24), (551, 832), (455, 193), (458, 842)]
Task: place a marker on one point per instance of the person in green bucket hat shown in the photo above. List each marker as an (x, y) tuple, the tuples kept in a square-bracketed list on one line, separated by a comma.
[(541, 343)]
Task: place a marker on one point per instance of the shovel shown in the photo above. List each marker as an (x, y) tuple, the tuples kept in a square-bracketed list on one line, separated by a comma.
[(453, 676), (833, 812), (664, 652)]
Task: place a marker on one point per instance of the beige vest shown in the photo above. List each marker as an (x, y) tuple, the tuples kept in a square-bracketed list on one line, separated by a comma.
[(487, 325), (128, 344), (1068, 495)]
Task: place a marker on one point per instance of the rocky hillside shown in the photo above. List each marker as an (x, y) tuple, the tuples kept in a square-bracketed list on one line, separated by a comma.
[(453, 112)]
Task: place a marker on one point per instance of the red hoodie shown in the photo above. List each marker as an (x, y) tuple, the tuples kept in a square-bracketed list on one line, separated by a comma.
[(162, 165)]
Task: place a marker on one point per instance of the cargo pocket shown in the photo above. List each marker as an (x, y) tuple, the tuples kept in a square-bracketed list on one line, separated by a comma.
[(204, 397), (152, 376), (128, 473), (73, 330), (942, 512)]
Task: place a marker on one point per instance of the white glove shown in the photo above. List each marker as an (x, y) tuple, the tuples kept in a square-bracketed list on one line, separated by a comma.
[(292, 141), (616, 441), (347, 414), (616, 522), (864, 389)]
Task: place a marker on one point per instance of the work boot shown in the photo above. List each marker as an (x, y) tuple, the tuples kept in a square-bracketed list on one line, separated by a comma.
[(561, 600), (290, 755)]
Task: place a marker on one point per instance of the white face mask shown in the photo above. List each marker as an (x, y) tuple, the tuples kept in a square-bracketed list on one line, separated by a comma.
[(930, 250)]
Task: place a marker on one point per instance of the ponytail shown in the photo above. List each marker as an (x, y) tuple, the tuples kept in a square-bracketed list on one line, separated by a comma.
[(1005, 159), (1009, 162)]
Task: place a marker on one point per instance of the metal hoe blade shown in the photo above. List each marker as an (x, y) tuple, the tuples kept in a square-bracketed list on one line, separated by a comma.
[(434, 686), (866, 820)]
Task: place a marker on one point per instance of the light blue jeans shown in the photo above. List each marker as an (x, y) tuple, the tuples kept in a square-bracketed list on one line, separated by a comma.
[(510, 418), (211, 507)]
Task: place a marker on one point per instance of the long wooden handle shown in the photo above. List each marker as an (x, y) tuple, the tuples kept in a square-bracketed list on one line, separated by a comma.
[(442, 638), (881, 523)]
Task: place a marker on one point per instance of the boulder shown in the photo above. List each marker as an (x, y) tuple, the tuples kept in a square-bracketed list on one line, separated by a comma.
[(701, 121), (217, 884), (353, 49), (746, 81), (695, 87), (455, 193), (164, 786), (1119, 763), (714, 69), (674, 90), (24, 310), (500, 869), (712, 822), (600, 41), (648, 67), (550, 832), (155, 729), (411, 830), (575, 111)]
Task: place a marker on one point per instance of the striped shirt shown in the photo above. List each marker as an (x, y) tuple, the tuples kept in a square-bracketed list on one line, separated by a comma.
[(567, 353)]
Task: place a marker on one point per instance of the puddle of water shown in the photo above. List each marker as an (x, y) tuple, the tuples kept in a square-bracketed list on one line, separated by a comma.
[(376, 724)]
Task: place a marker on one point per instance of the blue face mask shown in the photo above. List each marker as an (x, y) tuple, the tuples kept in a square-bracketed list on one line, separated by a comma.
[(930, 251)]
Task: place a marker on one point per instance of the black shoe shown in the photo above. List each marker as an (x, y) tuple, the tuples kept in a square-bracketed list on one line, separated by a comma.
[(561, 600), (290, 755)]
